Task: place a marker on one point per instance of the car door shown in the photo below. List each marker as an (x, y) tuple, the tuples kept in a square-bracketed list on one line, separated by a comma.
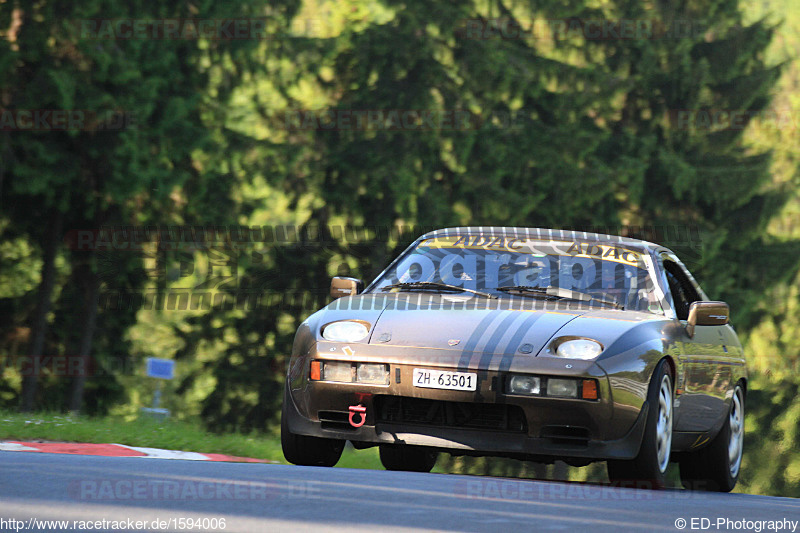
[(706, 356)]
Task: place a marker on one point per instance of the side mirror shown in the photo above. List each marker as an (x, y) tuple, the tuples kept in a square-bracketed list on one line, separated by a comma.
[(707, 314), (345, 287)]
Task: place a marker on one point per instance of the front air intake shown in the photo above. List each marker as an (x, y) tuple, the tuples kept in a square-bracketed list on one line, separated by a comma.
[(575, 435), (457, 415)]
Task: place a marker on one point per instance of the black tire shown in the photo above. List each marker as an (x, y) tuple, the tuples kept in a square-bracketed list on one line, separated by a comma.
[(304, 450), (407, 458), (716, 467), (648, 469)]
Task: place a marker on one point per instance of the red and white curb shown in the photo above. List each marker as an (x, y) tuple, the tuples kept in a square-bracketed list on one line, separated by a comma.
[(119, 450)]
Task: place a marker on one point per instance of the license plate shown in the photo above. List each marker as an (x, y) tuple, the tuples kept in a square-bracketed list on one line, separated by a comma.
[(441, 379)]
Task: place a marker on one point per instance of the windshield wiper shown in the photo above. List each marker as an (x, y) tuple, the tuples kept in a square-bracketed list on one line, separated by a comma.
[(433, 286), (557, 293)]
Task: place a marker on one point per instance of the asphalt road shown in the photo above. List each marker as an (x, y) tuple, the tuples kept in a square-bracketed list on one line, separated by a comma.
[(268, 497)]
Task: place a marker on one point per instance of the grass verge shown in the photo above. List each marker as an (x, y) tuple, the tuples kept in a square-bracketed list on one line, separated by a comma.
[(168, 434)]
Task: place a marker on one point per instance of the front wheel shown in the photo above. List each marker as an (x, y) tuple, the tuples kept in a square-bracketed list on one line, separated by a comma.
[(304, 450), (408, 458), (716, 467), (650, 465)]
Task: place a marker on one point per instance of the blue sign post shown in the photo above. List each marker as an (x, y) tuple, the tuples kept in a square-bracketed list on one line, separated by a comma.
[(159, 369)]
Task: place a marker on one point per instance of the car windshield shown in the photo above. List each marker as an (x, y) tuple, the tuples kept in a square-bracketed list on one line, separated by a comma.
[(602, 273)]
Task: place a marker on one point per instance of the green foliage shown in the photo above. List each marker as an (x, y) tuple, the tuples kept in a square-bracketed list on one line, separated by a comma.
[(142, 431), (166, 94), (561, 130), (168, 434), (771, 465)]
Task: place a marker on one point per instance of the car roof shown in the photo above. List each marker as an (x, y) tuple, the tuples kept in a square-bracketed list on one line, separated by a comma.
[(544, 234)]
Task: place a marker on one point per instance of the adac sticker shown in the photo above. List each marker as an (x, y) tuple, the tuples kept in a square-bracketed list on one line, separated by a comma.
[(535, 247), (606, 252), (476, 242)]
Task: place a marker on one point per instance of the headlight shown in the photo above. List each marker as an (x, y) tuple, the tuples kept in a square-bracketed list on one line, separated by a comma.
[(373, 374), (524, 385), (347, 372), (579, 349), (337, 371), (345, 331), (552, 387), (565, 388)]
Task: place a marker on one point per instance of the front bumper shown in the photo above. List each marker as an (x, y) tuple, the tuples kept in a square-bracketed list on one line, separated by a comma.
[(551, 427)]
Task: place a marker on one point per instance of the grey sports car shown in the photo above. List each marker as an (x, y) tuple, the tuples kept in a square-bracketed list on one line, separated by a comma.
[(526, 343)]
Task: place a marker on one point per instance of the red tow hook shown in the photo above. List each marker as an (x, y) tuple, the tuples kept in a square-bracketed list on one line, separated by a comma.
[(361, 410)]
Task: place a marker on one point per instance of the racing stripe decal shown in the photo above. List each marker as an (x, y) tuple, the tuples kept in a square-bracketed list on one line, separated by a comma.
[(511, 347), (494, 340), (477, 334), (487, 350)]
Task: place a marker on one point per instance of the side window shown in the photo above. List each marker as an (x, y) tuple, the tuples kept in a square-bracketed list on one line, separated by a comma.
[(682, 290)]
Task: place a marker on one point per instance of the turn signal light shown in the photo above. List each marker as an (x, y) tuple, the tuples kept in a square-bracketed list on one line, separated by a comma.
[(589, 389), (316, 371), (347, 372)]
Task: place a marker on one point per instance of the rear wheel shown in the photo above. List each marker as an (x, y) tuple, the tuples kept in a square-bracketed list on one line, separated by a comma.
[(408, 458), (716, 467), (650, 465), (304, 450)]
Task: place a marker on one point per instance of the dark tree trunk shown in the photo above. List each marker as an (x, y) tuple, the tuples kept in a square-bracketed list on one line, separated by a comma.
[(91, 287), (560, 471), (39, 320)]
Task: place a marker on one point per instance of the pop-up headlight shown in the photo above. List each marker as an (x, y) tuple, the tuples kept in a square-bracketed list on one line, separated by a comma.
[(585, 349), (345, 331)]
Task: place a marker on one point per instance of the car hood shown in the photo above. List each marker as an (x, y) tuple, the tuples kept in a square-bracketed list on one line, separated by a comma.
[(434, 321), (441, 322), (480, 330)]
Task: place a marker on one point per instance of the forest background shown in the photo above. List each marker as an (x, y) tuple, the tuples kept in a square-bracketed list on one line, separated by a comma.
[(335, 133)]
